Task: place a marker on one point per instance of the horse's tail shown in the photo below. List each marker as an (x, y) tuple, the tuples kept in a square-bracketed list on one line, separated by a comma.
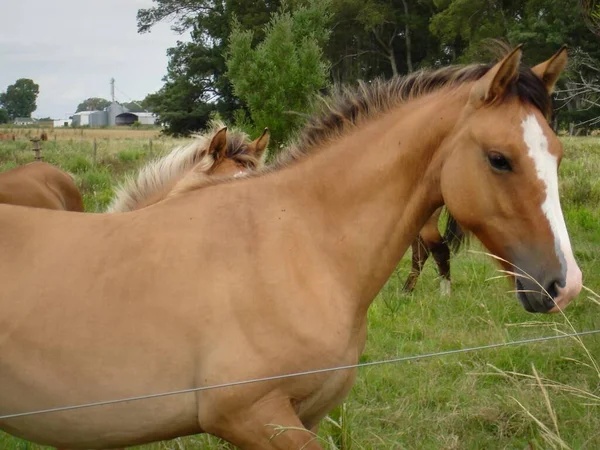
[(454, 236)]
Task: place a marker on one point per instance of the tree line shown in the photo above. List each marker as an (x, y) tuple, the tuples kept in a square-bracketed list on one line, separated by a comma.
[(19, 100), (260, 63)]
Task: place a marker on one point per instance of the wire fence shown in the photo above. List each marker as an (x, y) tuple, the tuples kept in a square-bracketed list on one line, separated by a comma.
[(305, 373)]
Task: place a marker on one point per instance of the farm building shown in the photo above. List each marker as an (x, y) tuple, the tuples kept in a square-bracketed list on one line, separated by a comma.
[(112, 111), (82, 118), (24, 121), (128, 118), (146, 118), (98, 119), (114, 114), (62, 123)]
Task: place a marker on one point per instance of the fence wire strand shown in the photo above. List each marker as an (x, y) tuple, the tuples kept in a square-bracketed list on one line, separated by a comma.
[(299, 374)]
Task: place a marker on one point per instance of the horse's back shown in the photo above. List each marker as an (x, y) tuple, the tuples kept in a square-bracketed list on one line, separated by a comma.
[(40, 185)]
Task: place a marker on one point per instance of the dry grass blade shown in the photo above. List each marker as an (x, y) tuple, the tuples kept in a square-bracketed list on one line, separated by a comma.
[(549, 436), (524, 274), (547, 401)]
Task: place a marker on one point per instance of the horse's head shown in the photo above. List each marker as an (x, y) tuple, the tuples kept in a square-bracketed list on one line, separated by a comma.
[(229, 156), (235, 156), (499, 179)]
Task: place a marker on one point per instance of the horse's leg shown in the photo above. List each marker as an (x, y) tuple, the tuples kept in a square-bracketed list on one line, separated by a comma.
[(270, 425), (420, 253), (439, 249), (441, 253)]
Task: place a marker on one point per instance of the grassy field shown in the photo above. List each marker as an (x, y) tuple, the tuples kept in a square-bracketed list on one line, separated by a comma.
[(60, 134), (483, 400)]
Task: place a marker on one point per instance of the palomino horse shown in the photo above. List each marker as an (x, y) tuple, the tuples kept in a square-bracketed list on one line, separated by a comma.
[(219, 152), (273, 273), (431, 241), (40, 185)]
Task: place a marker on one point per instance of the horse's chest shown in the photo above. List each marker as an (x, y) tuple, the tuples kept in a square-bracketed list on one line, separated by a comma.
[(331, 393)]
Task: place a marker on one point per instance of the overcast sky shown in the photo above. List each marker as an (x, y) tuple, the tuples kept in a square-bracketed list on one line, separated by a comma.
[(72, 48)]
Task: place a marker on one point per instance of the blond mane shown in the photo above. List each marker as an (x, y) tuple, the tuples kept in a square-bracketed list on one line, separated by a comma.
[(162, 173)]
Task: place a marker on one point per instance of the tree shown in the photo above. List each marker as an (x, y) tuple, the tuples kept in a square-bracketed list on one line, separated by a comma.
[(19, 100), (195, 84), (177, 106), (278, 77), (4, 118), (135, 106), (93, 104), (591, 14)]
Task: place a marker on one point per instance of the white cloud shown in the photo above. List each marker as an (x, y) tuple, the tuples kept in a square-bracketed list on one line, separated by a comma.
[(72, 48)]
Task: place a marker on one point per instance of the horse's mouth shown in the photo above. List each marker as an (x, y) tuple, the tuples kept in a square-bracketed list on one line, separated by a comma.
[(522, 296)]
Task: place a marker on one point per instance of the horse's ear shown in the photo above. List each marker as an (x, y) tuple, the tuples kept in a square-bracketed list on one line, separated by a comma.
[(550, 70), (492, 86), (260, 145), (218, 145)]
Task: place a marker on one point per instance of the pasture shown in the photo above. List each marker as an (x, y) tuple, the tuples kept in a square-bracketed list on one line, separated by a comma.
[(488, 399)]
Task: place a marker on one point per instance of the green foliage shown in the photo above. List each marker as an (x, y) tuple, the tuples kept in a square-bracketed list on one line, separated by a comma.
[(181, 106), (195, 85), (126, 156), (135, 106), (278, 77), (368, 38), (4, 118), (93, 104), (565, 117), (19, 100), (544, 25), (78, 164)]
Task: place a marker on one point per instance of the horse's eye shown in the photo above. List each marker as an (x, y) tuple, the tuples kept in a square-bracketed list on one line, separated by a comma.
[(499, 162)]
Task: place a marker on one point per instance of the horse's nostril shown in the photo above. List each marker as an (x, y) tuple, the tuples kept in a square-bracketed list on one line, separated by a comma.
[(552, 288)]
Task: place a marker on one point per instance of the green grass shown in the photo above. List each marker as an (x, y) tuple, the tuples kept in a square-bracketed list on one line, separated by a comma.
[(96, 177), (451, 402)]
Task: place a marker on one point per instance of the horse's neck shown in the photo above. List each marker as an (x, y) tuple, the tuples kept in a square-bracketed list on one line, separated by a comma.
[(367, 195)]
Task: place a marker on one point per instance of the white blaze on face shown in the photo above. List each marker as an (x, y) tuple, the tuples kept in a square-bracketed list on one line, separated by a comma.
[(546, 166), (241, 173)]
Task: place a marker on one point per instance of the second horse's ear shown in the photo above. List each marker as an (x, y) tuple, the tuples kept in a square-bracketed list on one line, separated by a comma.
[(218, 145), (549, 71), (260, 145)]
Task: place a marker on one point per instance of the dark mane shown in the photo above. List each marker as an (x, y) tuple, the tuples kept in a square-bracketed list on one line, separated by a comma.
[(349, 107)]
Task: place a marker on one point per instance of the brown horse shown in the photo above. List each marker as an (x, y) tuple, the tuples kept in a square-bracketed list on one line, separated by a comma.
[(431, 242), (274, 273), (40, 185), (7, 136), (43, 136), (217, 153)]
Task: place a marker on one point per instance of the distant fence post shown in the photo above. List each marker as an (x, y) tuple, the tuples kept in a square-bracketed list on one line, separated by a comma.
[(95, 150), (36, 148), (150, 145)]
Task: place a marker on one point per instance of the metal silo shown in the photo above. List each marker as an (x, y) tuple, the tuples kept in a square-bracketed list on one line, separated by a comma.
[(113, 110), (98, 119)]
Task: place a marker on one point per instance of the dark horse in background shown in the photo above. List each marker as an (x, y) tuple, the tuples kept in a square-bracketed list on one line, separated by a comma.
[(431, 242)]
